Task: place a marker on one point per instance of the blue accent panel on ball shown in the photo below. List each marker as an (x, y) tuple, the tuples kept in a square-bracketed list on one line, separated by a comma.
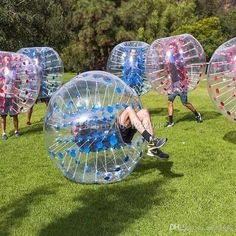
[(126, 158), (110, 109), (57, 109), (70, 105), (86, 149), (118, 106), (117, 168), (87, 169), (107, 80), (58, 140), (108, 176), (64, 116), (60, 155), (118, 90), (113, 141), (125, 105), (99, 145), (96, 76), (52, 154), (57, 127), (73, 153)]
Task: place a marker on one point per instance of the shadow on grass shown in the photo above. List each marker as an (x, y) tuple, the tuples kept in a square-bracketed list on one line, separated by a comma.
[(34, 128), (230, 137), (16, 211), (148, 165), (108, 210), (161, 111), (206, 115)]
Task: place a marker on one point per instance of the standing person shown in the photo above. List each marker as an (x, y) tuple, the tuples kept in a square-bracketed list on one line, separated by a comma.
[(133, 71), (8, 101), (179, 83), (4, 114)]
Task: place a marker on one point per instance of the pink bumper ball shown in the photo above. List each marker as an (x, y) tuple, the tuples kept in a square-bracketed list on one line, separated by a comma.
[(222, 79), (19, 83), (175, 63)]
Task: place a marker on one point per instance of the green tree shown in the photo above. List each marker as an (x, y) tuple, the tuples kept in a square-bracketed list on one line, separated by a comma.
[(15, 25), (152, 19), (33, 23), (228, 22), (206, 8), (208, 31), (93, 23)]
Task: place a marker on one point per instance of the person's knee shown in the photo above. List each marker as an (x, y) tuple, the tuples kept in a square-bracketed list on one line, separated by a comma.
[(129, 109), (142, 114)]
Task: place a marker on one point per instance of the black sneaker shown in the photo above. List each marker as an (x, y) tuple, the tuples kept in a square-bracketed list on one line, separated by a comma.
[(157, 153), (17, 134), (28, 123), (198, 117), (4, 137), (157, 143), (169, 124)]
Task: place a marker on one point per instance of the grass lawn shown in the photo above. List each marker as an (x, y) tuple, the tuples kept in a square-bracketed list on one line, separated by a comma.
[(193, 193)]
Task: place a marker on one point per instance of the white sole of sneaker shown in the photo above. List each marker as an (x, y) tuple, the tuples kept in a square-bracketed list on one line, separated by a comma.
[(158, 146), (168, 126), (150, 154), (158, 158)]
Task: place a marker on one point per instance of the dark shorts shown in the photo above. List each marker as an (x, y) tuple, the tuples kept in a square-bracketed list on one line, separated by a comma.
[(43, 100), (183, 96), (8, 106), (127, 133), (178, 88)]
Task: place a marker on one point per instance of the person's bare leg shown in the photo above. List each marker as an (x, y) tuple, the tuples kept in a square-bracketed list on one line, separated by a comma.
[(197, 115), (128, 117), (145, 118), (29, 115), (4, 123), (190, 107), (170, 108), (16, 123)]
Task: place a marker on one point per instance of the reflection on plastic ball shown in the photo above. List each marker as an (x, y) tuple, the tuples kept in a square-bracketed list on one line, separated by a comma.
[(222, 78), (127, 61), (82, 130), (51, 68), (175, 64), (19, 83)]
